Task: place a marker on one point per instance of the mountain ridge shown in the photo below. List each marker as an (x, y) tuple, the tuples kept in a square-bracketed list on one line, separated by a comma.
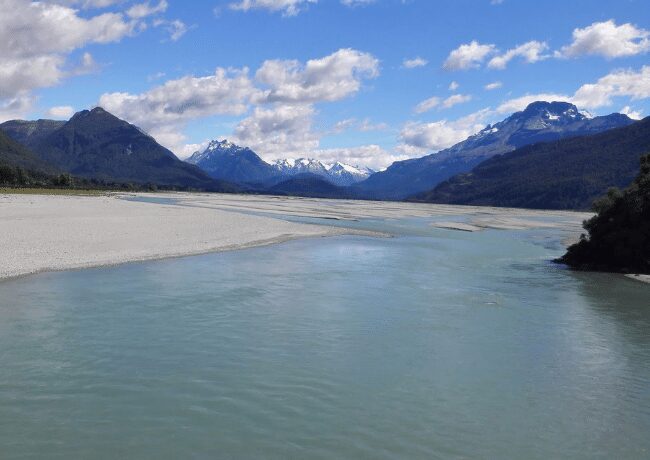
[(563, 174), (95, 144), (228, 161), (539, 122)]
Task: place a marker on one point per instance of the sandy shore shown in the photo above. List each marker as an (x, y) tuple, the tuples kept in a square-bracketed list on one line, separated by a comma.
[(46, 233), (43, 233)]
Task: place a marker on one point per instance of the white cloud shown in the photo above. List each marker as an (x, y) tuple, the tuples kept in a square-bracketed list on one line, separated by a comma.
[(176, 28), (531, 52), (633, 114), (419, 138), (608, 40), (287, 7), (365, 155), (353, 3), (365, 125), (278, 132), (331, 78), (494, 85), (141, 10), (15, 107), (453, 86), (60, 112), (86, 4), (427, 105), (620, 83), (447, 103), (36, 39), (521, 102), (468, 56), (164, 110), (282, 96), (414, 63), (455, 99)]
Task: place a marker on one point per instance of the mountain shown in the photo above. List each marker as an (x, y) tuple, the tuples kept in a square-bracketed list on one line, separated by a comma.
[(13, 154), (227, 161), (619, 235), (539, 122), (308, 185), (338, 173), (563, 174), (95, 144), (291, 167), (342, 174), (30, 132)]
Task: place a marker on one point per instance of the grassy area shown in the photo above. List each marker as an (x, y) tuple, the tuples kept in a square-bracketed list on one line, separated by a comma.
[(51, 191)]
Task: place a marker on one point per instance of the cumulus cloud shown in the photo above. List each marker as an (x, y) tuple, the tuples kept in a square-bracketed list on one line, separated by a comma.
[(282, 96), (608, 40), (494, 85), (287, 7), (521, 102), (455, 100), (364, 125), (15, 107), (331, 78), (371, 155), (447, 103), (36, 39), (278, 132), (414, 63), (453, 86), (176, 28), (418, 138), (468, 56), (141, 10), (60, 112), (633, 114), (620, 83), (427, 105), (531, 52), (164, 110)]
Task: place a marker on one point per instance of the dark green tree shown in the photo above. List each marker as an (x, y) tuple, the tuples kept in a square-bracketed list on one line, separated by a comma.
[(618, 237)]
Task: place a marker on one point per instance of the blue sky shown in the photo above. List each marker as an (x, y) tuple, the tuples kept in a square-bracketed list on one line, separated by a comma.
[(362, 81)]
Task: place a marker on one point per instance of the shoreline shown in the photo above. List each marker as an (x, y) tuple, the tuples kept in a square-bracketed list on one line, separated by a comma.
[(45, 233), (69, 232)]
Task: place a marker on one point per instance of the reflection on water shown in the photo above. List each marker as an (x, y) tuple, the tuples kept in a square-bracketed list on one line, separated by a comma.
[(435, 344)]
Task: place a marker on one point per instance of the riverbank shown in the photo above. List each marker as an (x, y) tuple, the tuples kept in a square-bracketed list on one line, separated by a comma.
[(48, 233), (56, 232)]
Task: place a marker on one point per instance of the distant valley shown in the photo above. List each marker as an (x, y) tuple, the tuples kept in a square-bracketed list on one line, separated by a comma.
[(549, 155)]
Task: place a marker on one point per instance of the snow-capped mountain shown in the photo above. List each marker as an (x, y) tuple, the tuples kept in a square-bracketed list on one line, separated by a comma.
[(338, 173), (539, 122), (343, 174), (292, 167), (227, 161)]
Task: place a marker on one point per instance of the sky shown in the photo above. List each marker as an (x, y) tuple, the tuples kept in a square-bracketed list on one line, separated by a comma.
[(366, 82)]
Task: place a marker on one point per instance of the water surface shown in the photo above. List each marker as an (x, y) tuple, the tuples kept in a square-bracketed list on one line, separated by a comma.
[(434, 344)]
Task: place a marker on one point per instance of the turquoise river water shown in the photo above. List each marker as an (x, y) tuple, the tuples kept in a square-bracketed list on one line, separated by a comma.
[(432, 344)]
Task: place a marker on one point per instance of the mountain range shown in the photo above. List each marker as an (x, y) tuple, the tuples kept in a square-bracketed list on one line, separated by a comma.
[(549, 155), (564, 174), (96, 144), (539, 122), (226, 161)]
